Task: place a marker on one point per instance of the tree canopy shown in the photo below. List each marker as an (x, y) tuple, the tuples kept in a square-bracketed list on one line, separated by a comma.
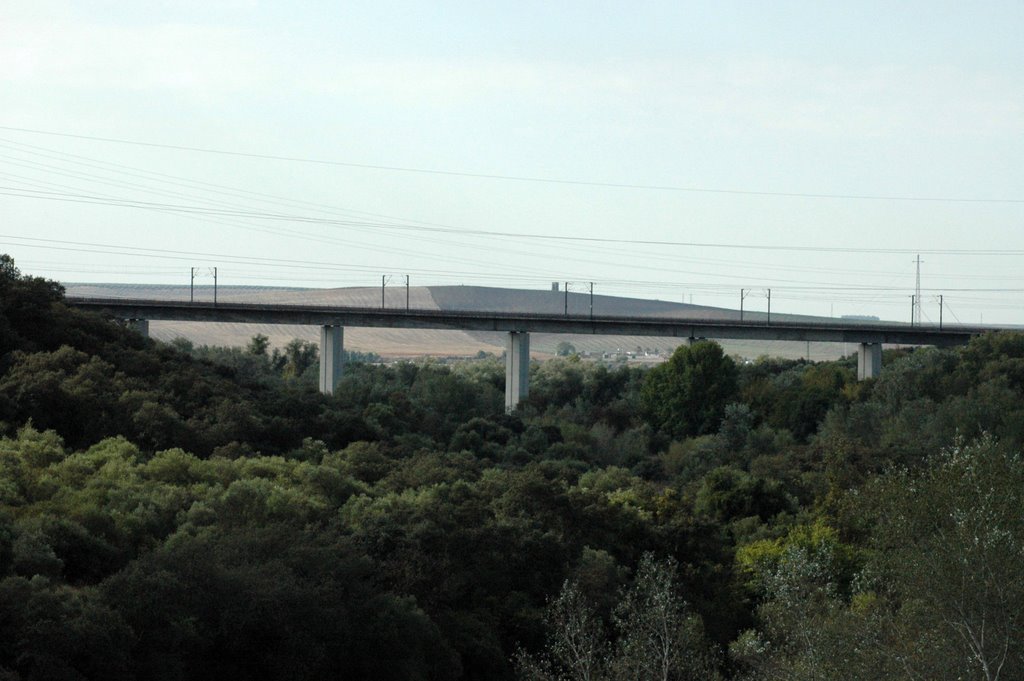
[(175, 512), (687, 395)]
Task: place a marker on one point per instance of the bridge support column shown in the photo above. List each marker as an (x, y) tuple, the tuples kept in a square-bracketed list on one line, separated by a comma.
[(517, 368), (869, 361), (140, 325), (332, 357)]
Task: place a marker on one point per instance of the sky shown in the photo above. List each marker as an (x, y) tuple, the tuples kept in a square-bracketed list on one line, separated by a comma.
[(684, 151)]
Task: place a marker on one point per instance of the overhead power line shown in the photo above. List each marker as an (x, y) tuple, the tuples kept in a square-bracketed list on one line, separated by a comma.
[(236, 192), (169, 254), (106, 167), (515, 178), (199, 210)]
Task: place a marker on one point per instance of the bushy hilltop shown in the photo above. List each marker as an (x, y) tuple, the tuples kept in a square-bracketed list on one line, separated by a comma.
[(190, 513)]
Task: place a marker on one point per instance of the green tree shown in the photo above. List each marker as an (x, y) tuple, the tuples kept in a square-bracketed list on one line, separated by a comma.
[(657, 637), (950, 540), (687, 395), (258, 345), (565, 348), (51, 631), (576, 646), (273, 602), (727, 494), (26, 309), (297, 357), (660, 639), (941, 592)]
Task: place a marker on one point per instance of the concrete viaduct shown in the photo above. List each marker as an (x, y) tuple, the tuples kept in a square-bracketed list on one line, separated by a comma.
[(870, 336)]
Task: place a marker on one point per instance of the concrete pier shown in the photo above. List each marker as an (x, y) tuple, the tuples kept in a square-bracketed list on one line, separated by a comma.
[(517, 368), (869, 361), (332, 357)]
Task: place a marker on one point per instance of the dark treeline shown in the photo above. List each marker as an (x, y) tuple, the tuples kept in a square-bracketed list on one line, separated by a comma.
[(169, 512)]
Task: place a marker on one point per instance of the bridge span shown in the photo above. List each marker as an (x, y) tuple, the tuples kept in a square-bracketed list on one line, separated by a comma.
[(869, 335)]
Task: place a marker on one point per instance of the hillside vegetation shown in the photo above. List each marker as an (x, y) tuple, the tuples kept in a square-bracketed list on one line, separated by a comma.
[(170, 512)]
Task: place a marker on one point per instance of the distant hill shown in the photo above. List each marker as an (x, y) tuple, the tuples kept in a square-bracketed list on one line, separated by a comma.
[(425, 342)]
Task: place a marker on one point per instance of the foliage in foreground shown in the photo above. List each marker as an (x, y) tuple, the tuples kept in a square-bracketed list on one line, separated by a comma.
[(655, 634), (179, 513)]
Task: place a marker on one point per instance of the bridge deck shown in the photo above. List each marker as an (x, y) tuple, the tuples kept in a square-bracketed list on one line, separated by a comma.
[(840, 331)]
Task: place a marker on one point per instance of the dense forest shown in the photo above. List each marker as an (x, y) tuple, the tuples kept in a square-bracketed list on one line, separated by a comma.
[(171, 512)]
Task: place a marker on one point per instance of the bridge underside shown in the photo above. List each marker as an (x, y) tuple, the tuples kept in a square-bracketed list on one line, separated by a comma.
[(868, 336), (517, 360), (517, 363)]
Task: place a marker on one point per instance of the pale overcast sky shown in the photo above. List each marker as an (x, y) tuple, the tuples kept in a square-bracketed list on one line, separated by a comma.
[(717, 128)]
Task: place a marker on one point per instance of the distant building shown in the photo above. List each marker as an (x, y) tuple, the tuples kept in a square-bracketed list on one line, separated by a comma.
[(861, 317)]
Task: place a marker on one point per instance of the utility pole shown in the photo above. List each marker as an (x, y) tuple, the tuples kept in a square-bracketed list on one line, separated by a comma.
[(769, 307), (383, 280), (566, 299), (742, 293), (940, 312), (203, 272), (591, 300), (407, 293), (917, 294)]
